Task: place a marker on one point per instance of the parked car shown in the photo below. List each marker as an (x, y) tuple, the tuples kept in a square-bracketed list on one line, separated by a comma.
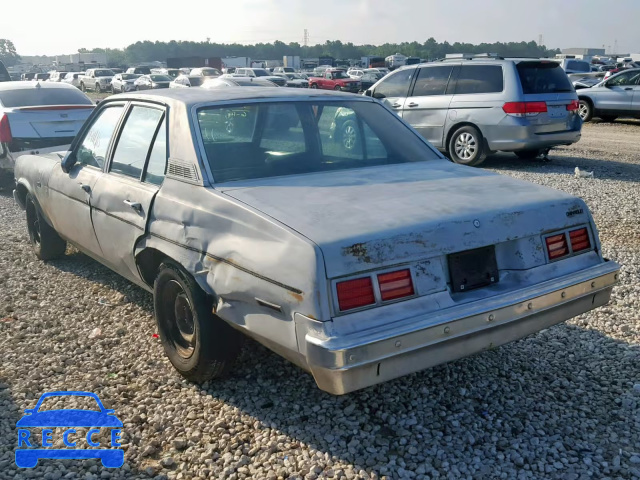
[(572, 65), (369, 79), (228, 70), (294, 80), (72, 78), (237, 81), (586, 82), (355, 73), (205, 72), (43, 77), (4, 74), (617, 96), (262, 73), (346, 263), (184, 81), (153, 81), (335, 79), (142, 70), (28, 76), (36, 116), (96, 79), (56, 76), (117, 70), (469, 108), (171, 72), (124, 82), (14, 76), (284, 70)]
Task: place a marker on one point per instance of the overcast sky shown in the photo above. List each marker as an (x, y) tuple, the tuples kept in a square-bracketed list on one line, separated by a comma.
[(46, 27)]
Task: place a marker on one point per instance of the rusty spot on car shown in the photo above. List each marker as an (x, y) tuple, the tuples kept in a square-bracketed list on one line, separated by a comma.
[(358, 250), (298, 296)]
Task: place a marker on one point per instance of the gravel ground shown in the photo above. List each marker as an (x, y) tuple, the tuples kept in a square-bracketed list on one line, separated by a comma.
[(561, 404)]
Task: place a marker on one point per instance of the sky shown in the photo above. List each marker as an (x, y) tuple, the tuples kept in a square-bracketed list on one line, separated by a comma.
[(45, 27)]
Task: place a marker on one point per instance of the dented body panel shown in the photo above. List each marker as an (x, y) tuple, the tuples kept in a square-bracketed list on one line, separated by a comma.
[(270, 252)]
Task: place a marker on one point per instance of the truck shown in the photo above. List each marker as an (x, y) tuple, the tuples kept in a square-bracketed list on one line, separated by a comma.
[(335, 79), (96, 79), (395, 61), (326, 60), (292, 61), (372, 61)]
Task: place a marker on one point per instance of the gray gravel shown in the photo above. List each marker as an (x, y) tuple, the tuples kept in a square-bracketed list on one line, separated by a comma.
[(564, 403)]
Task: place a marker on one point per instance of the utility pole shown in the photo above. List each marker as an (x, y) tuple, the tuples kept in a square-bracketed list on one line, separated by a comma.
[(305, 40)]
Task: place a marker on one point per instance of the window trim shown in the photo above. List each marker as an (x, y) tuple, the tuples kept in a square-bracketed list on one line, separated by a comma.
[(446, 89), (163, 118)]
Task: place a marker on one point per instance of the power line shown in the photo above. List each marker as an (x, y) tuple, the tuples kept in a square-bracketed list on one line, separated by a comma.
[(306, 38)]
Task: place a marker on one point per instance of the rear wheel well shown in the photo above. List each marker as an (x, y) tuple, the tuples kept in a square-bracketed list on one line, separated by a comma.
[(455, 128), (148, 261), (22, 192), (586, 99)]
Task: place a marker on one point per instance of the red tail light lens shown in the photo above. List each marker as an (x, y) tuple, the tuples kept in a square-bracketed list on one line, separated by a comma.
[(5, 130), (355, 293), (579, 240), (573, 106), (395, 285), (521, 109), (557, 246)]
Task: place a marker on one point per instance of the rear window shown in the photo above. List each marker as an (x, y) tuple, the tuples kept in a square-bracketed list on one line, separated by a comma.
[(196, 81), (578, 66), (543, 77), (30, 97), (479, 79), (160, 78)]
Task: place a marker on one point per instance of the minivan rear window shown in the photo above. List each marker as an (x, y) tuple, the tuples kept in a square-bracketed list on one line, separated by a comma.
[(543, 77), (31, 97), (578, 66), (479, 79)]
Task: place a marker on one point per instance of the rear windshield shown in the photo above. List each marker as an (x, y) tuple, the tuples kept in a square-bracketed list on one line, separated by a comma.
[(210, 72), (578, 66), (543, 77), (160, 78), (196, 81), (104, 73), (259, 140), (129, 76), (30, 97)]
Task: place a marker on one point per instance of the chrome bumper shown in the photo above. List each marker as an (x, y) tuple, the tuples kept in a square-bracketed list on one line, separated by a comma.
[(343, 364)]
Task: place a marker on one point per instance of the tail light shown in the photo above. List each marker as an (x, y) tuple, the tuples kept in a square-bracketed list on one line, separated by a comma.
[(522, 109), (557, 246), (355, 293), (573, 106), (395, 285), (5, 130), (579, 240)]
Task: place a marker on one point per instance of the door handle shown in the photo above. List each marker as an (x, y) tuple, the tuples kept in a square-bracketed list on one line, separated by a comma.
[(85, 187), (412, 104), (135, 205), (396, 105)]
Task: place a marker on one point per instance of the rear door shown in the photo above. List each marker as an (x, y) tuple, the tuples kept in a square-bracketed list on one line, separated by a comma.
[(617, 93), (122, 197), (394, 88), (635, 104), (428, 103)]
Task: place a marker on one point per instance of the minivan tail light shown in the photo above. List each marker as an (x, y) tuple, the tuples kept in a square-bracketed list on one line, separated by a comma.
[(573, 106), (5, 130), (579, 240), (522, 109), (395, 285), (557, 246), (355, 293)]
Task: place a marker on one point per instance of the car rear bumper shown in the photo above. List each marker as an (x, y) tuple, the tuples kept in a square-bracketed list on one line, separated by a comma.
[(515, 138), (343, 364)]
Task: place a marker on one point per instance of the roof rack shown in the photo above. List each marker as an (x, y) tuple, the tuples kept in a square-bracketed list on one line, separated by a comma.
[(469, 56)]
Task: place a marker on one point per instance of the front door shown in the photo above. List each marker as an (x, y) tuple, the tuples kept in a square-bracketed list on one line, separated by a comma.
[(428, 104), (617, 95), (122, 197), (394, 88), (71, 193)]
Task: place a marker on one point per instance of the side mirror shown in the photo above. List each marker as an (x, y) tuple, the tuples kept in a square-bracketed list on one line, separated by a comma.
[(368, 92), (98, 101), (378, 95), (68, 162)]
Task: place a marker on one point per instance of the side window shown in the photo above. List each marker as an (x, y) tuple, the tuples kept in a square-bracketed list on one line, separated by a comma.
[(327, 75), (93, 149), (432, 81), (395, 85), (135, 140), (479, 79), (157, 164), (282, 134), (622, 79)]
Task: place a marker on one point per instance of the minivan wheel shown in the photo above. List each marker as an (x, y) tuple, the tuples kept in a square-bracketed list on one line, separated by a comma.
[(466, 147), (585, 110), (528, 154), (199, 344)]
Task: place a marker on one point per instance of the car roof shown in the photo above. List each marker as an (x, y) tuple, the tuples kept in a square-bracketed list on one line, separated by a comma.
[(194, 96), (32, 85), (480, 61)]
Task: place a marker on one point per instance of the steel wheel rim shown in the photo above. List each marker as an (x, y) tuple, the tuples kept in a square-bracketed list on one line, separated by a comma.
[(583, 110), (180, 323), (466, 146), (36, 235), (349, 136)]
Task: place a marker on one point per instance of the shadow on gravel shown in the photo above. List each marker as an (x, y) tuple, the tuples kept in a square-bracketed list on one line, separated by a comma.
[(565, 165), (6, 183), (517, 405), (9, 415)]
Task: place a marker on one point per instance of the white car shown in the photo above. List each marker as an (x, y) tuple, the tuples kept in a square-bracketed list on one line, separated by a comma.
[(357, 74), (186, 81), (262, 73), (205, 72), (72, 78), (124, 82), (56, 76)]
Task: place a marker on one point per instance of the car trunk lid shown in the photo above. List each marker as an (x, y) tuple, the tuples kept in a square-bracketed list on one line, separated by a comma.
[(382, 216)]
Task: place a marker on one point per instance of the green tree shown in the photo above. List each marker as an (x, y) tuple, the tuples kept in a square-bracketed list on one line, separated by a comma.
[(8, 54)]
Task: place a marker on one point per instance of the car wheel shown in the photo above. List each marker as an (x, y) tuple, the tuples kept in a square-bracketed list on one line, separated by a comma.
[(314, 85), (45, 241), (528, 154), (137, 88), (350, 136), (98, 88), (337, 87), (466, 146), (199, 344), (585, 110), (113, 90), (82, 87), (608, 118)]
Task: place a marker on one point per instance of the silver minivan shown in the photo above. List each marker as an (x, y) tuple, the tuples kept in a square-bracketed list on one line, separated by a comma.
[(471, 107)]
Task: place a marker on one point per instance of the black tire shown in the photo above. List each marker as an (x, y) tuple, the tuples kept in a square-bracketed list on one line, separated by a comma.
[(350, 136), (608, 118), (45, 241), (528, 154), (199, 344), (112, 90), (82, 87), (466, 146), (585, 110), (314, 85), (337, 87), (98, 88)]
